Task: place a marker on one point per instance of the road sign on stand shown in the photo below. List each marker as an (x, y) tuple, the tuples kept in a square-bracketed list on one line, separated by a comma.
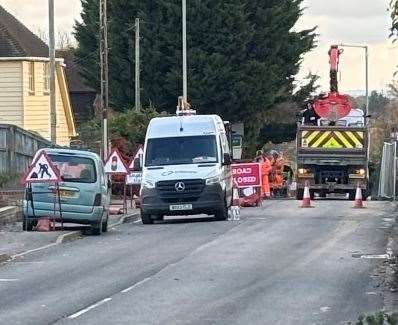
[(114, 164), (247, 175), (134, 178), (138, 154), (42, 170)]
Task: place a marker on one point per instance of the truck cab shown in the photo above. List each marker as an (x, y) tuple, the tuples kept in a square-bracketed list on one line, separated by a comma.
[(186, 168)]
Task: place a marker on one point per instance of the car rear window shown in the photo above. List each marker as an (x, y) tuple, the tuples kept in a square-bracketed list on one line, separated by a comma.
[(75, 169)]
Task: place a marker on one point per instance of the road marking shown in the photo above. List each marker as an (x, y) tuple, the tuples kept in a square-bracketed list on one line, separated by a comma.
[(135, 285), (8, 280), (85, 310), (325, 309), (370, 256), (137, 221), (34, 250)]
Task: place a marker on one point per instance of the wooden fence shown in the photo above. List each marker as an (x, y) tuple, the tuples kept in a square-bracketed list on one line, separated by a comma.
[(17, 148)]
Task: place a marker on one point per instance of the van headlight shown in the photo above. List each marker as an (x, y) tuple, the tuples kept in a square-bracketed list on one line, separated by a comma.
[(149, 184), (213, 180)]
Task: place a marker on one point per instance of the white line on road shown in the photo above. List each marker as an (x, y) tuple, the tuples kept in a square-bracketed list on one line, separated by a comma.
[(85, 310), (137, 221), (8, 280), (34, 250), (135, 285)]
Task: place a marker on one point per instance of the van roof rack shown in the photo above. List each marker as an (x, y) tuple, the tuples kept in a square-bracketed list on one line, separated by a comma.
[(184, 108)]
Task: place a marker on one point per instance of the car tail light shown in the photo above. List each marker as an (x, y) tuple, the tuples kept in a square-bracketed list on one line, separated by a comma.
[(97, 200)]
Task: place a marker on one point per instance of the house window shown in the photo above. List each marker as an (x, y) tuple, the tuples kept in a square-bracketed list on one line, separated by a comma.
[(46, 78), (31, 77)]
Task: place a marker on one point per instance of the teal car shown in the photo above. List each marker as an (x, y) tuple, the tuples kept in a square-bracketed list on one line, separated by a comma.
[(83, 189)]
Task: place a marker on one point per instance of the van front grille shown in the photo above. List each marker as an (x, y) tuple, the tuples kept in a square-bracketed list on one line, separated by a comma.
[(192, 189)]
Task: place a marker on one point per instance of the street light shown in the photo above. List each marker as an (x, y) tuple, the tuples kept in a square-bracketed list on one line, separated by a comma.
[(366, 48), (184, 51)]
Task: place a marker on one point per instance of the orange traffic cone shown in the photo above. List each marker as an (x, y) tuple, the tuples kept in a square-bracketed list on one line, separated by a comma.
[(358, 204), (306, 198), (43, 224)]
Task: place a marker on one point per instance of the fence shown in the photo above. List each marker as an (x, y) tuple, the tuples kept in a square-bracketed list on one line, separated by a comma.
[(17, 148), (388, 171)]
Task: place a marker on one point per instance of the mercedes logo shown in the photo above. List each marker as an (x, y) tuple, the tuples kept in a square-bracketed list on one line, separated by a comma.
[(180, 187)]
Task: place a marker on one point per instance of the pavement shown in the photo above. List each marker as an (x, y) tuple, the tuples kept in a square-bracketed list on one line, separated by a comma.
[(14, 241), (278, 265)]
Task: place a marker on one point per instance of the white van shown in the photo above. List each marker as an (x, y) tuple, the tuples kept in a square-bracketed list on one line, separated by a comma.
[(186, 168)]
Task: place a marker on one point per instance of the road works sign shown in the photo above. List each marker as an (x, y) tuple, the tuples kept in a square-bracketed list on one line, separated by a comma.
[(42, 171), (247, 175), (114, 164), (139, 153)]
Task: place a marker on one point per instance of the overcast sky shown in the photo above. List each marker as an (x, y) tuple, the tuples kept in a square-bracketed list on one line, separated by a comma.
[(348, 21)]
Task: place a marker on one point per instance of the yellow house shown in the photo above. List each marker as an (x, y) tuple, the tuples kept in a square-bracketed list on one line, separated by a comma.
[(24, 83)]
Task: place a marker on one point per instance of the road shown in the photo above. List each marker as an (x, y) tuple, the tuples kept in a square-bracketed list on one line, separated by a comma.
[(278, 265)]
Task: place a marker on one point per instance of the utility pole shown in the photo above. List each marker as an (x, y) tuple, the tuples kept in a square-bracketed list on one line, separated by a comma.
[(104, 75), (184, 51), (137, 66), (53, 107)]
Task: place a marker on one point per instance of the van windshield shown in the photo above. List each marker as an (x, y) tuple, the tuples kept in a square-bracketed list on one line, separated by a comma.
[(75, 169), (181, 150)]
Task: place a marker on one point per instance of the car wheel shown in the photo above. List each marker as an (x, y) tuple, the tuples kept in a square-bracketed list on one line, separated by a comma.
[(96, 228), (146, 219), (105, 225), (27, 225)]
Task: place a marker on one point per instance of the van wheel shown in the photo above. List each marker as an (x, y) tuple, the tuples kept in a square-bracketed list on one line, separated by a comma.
[(222, 215), (96, 229), (146, 219)]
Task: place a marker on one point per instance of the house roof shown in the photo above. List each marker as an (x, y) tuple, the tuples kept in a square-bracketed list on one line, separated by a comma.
[(16, 40), (75, 80)]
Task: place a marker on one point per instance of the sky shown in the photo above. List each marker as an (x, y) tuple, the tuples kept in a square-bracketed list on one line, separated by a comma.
[(339, 21)]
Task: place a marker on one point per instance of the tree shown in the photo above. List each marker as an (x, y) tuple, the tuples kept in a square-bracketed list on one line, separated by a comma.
[(126, 130), (242, 55)]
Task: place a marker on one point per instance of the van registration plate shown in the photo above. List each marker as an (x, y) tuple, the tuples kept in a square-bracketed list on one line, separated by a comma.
[(181, 207)]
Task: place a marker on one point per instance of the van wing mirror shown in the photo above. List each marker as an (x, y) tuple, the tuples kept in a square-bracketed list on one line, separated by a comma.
[(227, 159), (137, 165)]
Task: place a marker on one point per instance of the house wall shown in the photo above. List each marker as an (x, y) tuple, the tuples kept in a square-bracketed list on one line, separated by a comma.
[(37, 106), (11, 94)]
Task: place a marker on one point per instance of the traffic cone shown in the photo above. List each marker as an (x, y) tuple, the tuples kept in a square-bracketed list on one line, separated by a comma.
[(306, 198), (43, 224), (358, 204)]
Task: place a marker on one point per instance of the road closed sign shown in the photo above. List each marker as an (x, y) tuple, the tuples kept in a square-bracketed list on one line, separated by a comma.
[(247, 175)]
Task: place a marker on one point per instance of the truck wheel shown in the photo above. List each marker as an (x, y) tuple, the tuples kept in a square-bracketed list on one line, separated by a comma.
[(300, 194), (146, 219), (222, 215), (312, 195), (351, 195)]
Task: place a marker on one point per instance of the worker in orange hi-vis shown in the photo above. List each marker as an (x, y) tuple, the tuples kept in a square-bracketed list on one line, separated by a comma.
[(260, 160), (266, 168), (278, 164)]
